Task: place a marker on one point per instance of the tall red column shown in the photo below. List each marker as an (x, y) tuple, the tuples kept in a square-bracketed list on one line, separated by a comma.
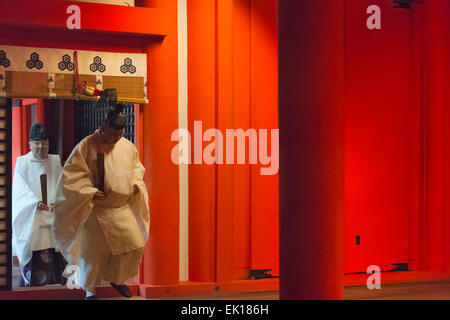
[(311, 77), (202, 92), (435, 110), (161, 255)]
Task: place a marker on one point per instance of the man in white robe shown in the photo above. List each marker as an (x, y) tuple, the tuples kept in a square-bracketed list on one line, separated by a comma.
[(103, 232), (32, 219)]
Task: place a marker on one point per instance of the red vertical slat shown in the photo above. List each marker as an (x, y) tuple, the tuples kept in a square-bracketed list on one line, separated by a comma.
[(201, 107), (161, 256), (264, 115)]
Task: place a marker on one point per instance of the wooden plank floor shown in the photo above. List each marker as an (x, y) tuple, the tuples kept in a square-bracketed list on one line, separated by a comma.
[(402, 291), (431, 290), (439, 290)]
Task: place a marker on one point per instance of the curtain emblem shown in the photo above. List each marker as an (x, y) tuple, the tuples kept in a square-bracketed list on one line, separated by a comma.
[(97, 65), (128, 66), (66, 63), (3, 60), (34, 62)]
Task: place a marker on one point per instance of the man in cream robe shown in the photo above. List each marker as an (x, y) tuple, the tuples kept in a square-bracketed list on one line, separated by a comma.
[(32, 219), (103, 232)]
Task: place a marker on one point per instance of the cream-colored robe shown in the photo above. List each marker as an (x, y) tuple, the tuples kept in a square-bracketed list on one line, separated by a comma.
[(121, 221), (32, 228)]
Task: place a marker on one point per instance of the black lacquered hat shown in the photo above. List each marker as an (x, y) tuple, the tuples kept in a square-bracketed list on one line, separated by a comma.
[(116, 118), (38, 132)]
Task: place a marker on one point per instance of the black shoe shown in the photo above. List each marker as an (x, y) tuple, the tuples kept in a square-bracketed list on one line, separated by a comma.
[(94, 297), (123, 290)]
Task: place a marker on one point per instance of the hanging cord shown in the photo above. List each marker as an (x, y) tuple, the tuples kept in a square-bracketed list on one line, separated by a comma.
[(77, 78)]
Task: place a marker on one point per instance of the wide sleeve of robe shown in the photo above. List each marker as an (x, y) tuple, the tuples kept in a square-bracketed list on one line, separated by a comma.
[(140, 204), (74, 202), (24, 206)]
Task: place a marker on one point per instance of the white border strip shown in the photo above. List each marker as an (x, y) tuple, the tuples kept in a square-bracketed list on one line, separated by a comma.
[(183, 124)]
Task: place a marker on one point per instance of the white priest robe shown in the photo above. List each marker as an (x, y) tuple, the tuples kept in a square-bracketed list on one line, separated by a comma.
[(32, 228), (104, 238)]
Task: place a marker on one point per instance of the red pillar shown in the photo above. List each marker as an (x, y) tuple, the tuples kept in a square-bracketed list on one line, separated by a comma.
[(16, 138), (311, 77), (160, 119), (26, 124), (202, 57), (435, 124)]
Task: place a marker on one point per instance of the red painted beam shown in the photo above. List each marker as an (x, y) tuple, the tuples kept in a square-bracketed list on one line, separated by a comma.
[(94, 17)]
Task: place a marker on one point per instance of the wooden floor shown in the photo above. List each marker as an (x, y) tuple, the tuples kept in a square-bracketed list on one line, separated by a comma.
[(403, 291), (431, 290)]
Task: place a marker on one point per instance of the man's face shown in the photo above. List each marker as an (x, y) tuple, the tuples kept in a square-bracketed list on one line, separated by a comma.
[(111, 135), (39, 148)]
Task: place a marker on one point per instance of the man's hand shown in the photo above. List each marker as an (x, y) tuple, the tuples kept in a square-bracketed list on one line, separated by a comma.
[(135, 189), (42, 206), (99, 195)]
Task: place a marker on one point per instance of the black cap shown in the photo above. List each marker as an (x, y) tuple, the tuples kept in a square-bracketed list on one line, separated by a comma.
[(38, 132), (115, 118)]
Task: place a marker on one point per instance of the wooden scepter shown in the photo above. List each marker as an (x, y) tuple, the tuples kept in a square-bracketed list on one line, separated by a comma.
[(101, 171), (44, 188)]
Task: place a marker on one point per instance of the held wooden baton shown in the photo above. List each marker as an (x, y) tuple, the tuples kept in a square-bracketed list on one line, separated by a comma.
[(101, 171), (44, 188)]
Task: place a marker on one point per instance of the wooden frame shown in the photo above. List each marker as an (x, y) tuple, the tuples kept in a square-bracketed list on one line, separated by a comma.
[(6, 196)]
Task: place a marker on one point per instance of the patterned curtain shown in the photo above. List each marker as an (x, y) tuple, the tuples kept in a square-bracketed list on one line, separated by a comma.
[(88, 118)]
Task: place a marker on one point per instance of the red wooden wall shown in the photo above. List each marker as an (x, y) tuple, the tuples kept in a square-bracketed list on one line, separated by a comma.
[(434, 214), (232, 68), (379, 153), (396, 131)]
